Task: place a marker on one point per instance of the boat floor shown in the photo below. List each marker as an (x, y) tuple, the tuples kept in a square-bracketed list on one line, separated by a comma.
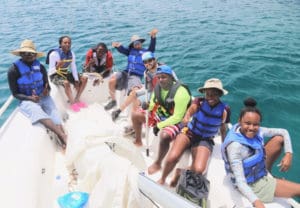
[(218, 198), (35, 172)]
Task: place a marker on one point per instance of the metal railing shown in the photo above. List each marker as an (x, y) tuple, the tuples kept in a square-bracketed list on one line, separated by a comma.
[(6, 105)]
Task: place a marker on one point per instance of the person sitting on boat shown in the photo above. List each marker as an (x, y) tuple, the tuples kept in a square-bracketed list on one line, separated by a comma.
[(100, 60), (151, 80), (131, 77), (168, 104), (203, 119), (60, 60), (28, 82), (248, 160)]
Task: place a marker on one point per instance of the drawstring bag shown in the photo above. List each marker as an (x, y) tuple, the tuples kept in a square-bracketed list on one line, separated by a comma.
[(73, 200), (194, 187)]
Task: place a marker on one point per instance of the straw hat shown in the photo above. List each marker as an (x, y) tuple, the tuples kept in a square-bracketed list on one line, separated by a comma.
[(213, 83), (135, 38), (27, 46)]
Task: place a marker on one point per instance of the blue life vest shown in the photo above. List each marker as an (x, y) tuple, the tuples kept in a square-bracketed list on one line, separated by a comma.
[(31, 79), (254, 166), (207, 120), (135, 63), (67, 59)]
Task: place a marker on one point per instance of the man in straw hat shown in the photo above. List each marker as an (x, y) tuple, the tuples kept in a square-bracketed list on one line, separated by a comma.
[(28, 82), (203, 120), (131, 77)]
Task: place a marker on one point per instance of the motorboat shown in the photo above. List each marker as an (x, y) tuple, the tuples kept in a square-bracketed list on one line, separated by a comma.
[(99, 160)]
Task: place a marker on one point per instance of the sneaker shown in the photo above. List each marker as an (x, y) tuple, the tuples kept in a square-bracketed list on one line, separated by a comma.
[(115, 114), (110, 105), (128, 130)]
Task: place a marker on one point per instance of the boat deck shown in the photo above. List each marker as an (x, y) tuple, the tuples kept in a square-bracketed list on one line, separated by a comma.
[(34, 172)]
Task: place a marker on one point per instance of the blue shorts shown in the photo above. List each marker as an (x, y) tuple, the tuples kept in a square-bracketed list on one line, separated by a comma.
[(127, 82), (44, 109)]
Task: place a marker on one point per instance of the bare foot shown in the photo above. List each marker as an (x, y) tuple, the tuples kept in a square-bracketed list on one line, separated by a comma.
[(138, 143), (174, 181), (175, 178), (154, 168), (161, 181)]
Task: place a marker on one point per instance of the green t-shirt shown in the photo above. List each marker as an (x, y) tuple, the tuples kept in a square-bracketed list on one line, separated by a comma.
[(181, 100)]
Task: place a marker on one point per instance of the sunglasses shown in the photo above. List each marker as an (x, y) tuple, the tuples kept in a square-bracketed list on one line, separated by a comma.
[(27, 54), (137, 42), (148, 61)]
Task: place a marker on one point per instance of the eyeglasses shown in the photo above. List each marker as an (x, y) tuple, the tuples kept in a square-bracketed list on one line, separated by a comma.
[(27, 54), (148, 61)]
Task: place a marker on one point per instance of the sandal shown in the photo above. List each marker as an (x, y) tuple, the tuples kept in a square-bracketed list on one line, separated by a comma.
[(75, 107)]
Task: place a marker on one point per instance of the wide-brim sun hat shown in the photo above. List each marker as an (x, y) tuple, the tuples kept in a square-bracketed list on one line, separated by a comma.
[(27, 46), (135, 38), (213, 83)]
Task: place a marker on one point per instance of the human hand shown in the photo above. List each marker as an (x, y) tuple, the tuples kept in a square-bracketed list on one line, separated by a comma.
[(155, 130), (145, 105), (185, 120), (258, 204), (59, 64), (91, 62), (153, 32), (116, 44), (286, 162), (34, 97), (46, 90)]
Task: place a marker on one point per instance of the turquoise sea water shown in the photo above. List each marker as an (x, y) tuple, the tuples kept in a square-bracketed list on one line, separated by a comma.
[(252, 46)]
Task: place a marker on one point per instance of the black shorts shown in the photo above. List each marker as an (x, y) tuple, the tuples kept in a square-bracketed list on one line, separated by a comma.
[(197, 140), (59, 80)]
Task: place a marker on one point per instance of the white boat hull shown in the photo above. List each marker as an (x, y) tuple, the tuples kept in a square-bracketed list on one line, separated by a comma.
[(34, 173)]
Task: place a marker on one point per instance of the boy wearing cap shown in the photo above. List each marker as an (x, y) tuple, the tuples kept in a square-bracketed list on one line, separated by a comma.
[(151, 80), (167, 107), (204, 118), (28, 82), (131, 77)]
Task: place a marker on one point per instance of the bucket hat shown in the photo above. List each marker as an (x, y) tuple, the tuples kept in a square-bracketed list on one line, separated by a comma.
[(27, 46), (135, 38), (213, 83)]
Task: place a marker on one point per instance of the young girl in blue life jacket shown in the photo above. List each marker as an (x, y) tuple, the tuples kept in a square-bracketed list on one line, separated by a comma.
[(248, 160)]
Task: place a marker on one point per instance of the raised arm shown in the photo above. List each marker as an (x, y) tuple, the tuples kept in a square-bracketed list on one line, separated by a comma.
[(152, 45)]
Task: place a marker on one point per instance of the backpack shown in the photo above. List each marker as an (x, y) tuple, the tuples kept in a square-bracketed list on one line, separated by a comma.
[(194, 187), (48, 54)]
